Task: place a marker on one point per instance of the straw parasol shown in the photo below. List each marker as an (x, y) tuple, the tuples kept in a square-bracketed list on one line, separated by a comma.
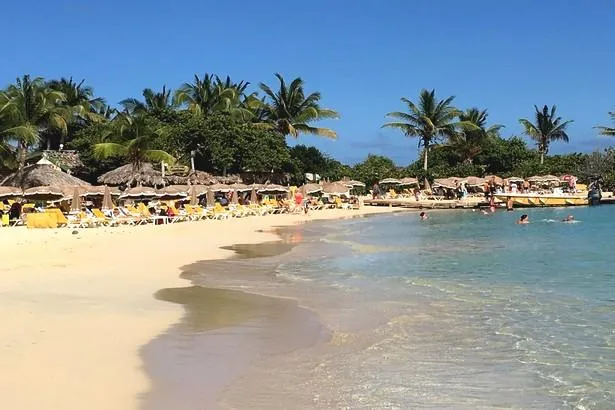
[(127, 175), (408, 181), (107, 203), (42, 175), (173, 192), (253, 196), (234, 197), (307, 189), (496, 179), (10, 192), (390, 181), (272, 189), (140, 192), (474, 181), (193, 195), (353, 183), (219, 188), (43, 193), (240, 187), (335, 188), (75, 203), (211, 199), (445, 183), (515, 179)]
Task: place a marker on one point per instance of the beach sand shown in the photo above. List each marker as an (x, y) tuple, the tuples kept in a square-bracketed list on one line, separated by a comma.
[(78, 308)]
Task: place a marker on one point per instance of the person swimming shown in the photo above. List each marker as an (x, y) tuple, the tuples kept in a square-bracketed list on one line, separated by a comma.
[(423, 216), (523, 220), (569, 218)]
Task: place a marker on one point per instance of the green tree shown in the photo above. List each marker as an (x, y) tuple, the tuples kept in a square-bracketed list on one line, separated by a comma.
[(608, 131), (375, 168), (133, 140), (470, 142), (290, 112), (153, 102), (546, 129), (431, 121), (29, 108)]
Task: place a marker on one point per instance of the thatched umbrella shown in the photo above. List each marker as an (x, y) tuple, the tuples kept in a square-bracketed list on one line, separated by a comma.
[(107, 203), (10, 192), (140, 192), (427, 186), (211, 199), (408, 181), (219, 188), (390, 181), (43, 193), (307, 189), (173, 192), (514, 179), (445, 183), (126, 175), (75, 203), (474, 181), (335, 188), (496, 179), (353, 183), (234, 197), (240, 187), (273, 189), (42, 175)]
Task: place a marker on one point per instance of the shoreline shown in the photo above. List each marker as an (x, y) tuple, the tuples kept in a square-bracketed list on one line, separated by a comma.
[(80, 307)]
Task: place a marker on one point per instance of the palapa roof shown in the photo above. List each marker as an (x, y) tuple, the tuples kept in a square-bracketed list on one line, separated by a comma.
[(10, 192), (42, 175), (445, 183), (391, 181), (139, 192), (311, 188), (474, 181), (408, 181), (273, 188), (125, 175), (202, 178), (335, 188)]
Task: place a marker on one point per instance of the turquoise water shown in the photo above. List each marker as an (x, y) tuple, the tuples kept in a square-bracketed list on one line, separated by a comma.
[(480, 312)]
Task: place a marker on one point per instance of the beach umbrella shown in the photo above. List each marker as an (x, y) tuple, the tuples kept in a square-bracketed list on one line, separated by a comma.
[(496, 179), (75, 203), (335, 188), (312, 188), (408, 181), (273, 189), (253, 196), (427, 185), (240, 187), (234, 197), (7, 192), (535, 178), (139, 192), (390, 181), (219, 188), (474, 181), (515, 179), (445, 183), (107, 203), (193, 195), (172, 192), (43, 193), (353, 183), (211, 199)]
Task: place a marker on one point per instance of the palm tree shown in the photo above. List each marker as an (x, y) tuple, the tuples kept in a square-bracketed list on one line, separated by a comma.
[(607, 130), (430, 121), (153, 101), (212, 95), (29, 108), (547, 128), (290, 112), (80, 97), (469, 143), (134, 139)]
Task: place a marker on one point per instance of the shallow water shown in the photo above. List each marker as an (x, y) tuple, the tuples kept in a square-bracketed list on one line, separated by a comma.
[(460, 311)]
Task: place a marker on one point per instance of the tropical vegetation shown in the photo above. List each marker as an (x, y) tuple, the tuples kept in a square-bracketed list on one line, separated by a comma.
[(227, 126)]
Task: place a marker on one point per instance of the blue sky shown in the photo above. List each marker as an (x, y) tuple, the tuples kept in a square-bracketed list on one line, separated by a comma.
[(362, 55)]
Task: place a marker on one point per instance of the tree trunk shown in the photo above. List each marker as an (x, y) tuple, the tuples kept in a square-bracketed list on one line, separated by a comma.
[(425, 159), (21, 158), (542, 157)]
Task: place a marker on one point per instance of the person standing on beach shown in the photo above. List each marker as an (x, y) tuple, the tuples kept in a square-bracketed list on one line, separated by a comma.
[(510, 204)]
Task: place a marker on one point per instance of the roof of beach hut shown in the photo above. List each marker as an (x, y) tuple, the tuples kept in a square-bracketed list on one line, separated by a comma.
[(10, 192), (390, 181), (42, 175), (44, 193), (335, 188), (311, 188), (146, 175), (139, 192), (444, 183)]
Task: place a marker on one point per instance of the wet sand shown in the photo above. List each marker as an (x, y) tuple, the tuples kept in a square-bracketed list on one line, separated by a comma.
[(77, 309)]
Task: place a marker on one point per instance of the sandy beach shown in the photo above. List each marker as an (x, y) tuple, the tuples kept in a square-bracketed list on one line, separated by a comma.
[(77, 308)]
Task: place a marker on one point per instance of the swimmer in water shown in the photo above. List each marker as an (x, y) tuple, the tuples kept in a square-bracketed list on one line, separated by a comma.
[(569, 218), (523, 220), (423, 216)]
